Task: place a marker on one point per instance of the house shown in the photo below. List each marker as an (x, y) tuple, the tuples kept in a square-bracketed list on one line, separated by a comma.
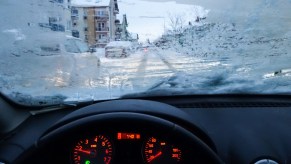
[(94, 21)]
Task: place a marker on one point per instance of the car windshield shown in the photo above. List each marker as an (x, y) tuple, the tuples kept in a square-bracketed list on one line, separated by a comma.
[(54, 51)]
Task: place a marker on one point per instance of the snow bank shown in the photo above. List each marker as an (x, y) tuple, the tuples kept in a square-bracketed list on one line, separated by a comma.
[(247, 60)]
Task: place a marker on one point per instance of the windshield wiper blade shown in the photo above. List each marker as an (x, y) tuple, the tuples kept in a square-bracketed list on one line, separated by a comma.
[(64, 105), (157, 90), (169, 81), (79, 102)]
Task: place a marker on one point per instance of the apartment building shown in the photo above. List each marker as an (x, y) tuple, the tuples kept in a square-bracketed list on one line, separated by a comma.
[(94, 21), (56, 15)]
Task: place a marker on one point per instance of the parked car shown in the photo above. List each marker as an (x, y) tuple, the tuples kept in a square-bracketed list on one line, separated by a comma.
[(77, 46), (63, 60), (68, 45), (118, 49)]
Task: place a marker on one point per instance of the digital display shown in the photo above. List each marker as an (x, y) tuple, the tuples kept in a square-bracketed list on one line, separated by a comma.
[(128, 136)]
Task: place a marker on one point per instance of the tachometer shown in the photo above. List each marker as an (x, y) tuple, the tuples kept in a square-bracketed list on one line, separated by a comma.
[(95, 150), (157, 151)]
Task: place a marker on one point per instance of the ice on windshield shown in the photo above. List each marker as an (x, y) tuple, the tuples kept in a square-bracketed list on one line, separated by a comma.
[(178, 47)]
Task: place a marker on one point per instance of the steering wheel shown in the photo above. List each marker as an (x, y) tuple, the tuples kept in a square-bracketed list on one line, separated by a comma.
[(147, 117)]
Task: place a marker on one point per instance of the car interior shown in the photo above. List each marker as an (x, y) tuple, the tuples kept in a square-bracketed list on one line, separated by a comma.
[(145, 82), (160, 129)]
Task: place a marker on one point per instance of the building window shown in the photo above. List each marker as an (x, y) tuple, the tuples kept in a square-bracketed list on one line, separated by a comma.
[(101, 26), (57, 27), (76, 33), (101, 36), (52, 20), (74, 11), (86, 29)]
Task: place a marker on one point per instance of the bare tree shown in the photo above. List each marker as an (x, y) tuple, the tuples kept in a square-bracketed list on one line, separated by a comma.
[(176, 22)]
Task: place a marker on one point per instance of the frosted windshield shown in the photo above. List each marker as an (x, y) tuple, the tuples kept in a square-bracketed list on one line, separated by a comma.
[(62, 50)]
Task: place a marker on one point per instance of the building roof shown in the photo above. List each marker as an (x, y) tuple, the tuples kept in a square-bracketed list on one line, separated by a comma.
[(90, 3)]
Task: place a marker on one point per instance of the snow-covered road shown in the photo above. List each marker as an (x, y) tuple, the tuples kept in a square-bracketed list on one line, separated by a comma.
[(80, 78)]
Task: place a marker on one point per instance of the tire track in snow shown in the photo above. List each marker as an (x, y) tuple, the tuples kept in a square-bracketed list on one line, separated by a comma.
[(166, 62), (141, 72)]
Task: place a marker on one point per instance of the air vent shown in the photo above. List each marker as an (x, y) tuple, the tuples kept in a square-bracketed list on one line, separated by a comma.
[(232, 105)]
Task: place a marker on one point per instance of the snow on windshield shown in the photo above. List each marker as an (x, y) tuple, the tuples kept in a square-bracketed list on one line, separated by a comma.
[(53, 51)]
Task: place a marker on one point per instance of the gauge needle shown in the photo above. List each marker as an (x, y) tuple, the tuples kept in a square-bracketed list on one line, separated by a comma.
[(84, 151), (154, 157)]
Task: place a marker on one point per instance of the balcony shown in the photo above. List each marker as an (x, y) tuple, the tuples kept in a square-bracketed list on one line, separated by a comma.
[(102, 17), (105, 29), (75, 17), (116, 11)]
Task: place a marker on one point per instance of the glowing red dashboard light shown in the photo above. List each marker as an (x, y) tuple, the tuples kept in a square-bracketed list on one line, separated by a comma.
[(128, 136)]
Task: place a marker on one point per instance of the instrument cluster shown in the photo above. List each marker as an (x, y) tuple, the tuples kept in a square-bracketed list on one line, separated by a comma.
[(125, 147)]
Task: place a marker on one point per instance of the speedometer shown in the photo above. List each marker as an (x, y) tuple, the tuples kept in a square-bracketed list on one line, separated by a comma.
[(158, 151), (95, 150)]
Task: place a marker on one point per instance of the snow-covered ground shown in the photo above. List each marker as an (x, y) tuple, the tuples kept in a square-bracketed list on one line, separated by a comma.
[(246, 61)]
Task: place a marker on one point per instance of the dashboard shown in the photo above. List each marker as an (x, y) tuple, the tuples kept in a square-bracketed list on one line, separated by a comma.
[(187, 129), (124, 147), (122, 133)]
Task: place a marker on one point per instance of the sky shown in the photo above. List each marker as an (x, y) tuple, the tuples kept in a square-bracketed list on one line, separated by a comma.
[(149, 19)]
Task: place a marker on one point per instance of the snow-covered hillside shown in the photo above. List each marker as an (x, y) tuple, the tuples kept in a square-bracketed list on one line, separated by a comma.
[(224, 40), (251, 60)]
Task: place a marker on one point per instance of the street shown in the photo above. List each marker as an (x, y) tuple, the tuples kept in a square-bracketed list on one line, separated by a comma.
[(139, 72), (78, 76)]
